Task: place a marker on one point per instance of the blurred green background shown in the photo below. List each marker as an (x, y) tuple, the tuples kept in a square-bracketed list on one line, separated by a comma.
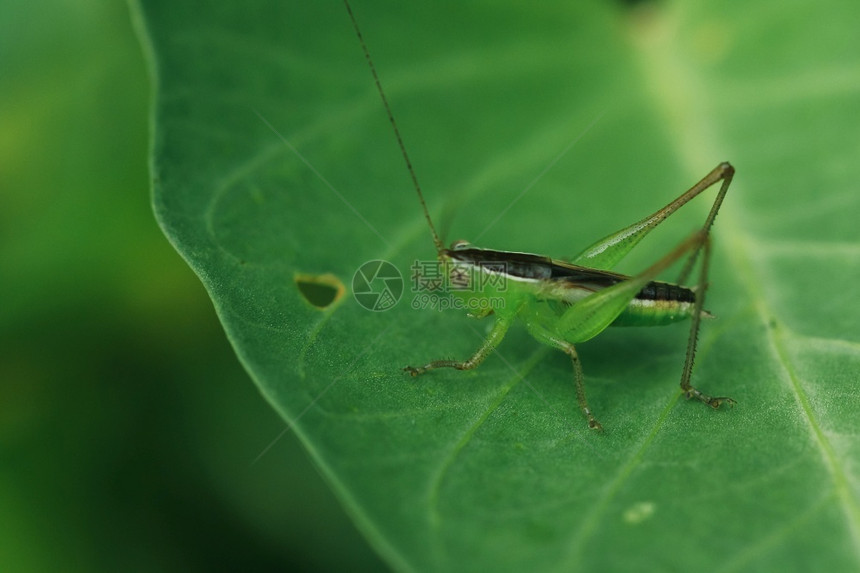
[(128, 430)]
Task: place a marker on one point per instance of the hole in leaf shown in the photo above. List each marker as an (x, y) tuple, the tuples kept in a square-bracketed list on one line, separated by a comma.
[(320, 290)]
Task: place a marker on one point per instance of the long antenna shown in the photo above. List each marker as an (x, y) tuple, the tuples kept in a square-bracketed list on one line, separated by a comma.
[(439, 246)]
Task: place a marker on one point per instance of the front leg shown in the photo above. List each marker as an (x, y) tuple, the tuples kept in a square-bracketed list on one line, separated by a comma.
[(503, 323)]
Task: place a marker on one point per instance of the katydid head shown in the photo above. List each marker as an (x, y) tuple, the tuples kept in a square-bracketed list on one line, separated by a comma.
[(457, 247)]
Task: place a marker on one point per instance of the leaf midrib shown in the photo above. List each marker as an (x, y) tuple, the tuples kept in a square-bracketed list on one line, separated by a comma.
[(663, 61)]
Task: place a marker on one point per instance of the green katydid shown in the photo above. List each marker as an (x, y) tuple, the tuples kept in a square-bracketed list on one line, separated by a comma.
[(563, 303)]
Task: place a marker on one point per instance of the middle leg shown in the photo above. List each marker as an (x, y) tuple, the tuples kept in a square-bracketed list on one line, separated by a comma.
[(547, 337)]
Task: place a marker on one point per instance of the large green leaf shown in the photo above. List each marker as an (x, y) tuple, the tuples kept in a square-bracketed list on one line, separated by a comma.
[(495, 468)]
